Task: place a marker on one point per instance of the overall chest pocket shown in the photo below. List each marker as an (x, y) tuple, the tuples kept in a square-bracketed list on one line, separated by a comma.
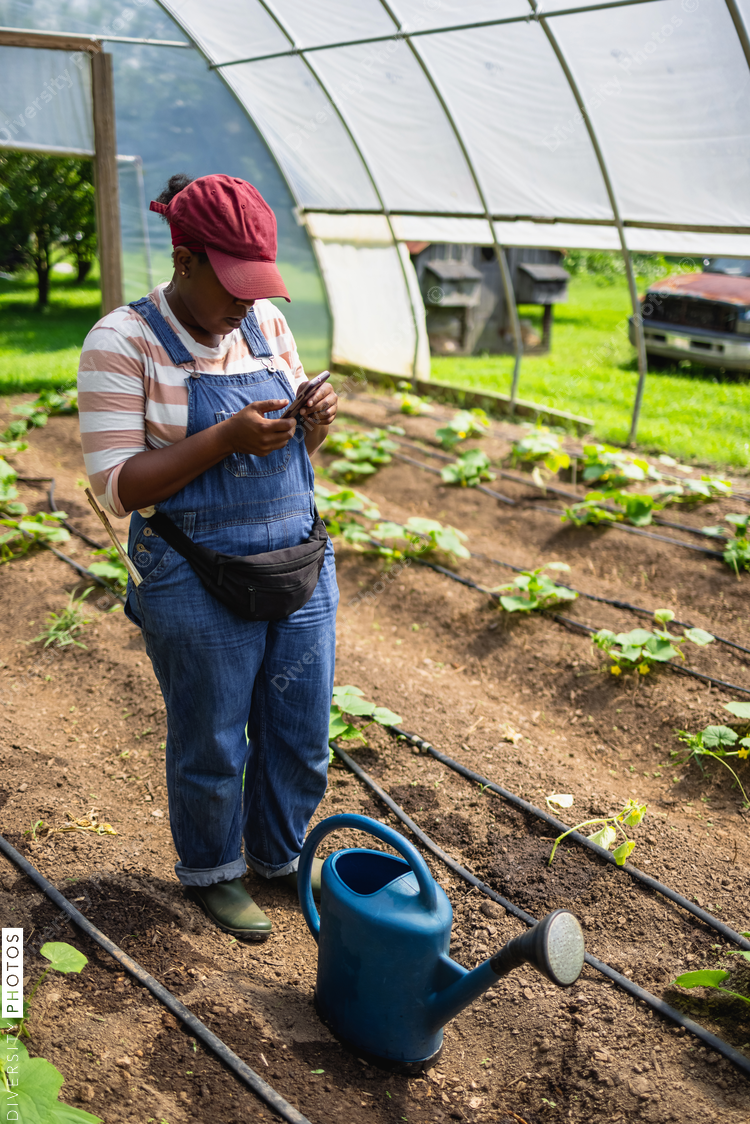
[(245, 464)]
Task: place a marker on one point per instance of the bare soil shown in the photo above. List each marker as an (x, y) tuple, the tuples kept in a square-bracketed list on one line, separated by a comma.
[(84, 729)]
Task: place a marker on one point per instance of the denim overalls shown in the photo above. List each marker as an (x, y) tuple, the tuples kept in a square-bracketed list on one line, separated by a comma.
[(240, 695)]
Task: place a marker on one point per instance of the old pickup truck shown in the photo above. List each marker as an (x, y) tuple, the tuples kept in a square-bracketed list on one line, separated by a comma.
[(704, 316)]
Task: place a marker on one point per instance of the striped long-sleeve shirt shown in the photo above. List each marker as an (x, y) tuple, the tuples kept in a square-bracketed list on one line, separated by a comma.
[(131, 397)]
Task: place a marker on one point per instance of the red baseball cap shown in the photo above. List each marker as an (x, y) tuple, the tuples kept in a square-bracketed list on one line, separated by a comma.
[(227, 219)]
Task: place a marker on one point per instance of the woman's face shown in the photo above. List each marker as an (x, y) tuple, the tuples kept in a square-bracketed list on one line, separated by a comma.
[(209, 305)]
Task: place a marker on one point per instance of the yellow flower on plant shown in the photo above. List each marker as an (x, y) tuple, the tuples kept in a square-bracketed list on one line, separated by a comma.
[(615, 670), (643, 669), (743, 752)]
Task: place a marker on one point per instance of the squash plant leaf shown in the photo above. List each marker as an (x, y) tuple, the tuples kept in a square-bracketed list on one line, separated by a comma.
[(738, 709), (605, 837), (709, 977), (30, 1095), (385, 716), (63, 957), (699, 636)]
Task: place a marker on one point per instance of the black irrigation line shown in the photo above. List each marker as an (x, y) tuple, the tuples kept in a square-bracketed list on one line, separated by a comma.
[(606, 600), (560, 827), (239, 1068), (84, 573), (625, 527), (66, 524), (569, 622), (738, 1059)]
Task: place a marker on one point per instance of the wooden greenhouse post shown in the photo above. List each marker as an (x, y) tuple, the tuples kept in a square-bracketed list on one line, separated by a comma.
[(107, 194)]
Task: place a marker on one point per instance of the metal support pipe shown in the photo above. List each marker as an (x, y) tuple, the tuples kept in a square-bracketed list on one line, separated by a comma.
[(408, 35), (502, 261), (515, 323), (358, 148), (637, 319)]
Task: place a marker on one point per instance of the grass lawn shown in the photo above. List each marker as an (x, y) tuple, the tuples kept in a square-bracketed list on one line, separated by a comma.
[(39, 350), (591, 370)]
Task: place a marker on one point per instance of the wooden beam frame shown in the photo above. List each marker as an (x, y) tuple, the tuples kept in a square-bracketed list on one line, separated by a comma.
[(51, 40), (107, 194)]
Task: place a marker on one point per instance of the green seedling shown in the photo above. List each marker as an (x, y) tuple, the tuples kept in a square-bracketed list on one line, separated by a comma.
[(34, 414), (694, 491), (29, 531), (539, 590), (412, 404), (363, 453), (350, 700), (541, 446), (589, 511), (610, 830), (615, 469), (737, 553), (8, 491), (38, 826), (421, 536), (714, 977), (113, 570), (29, 1087), (717, 742), (465, 424), (641, 649), (470, 469), (638, 509), (63, 627)]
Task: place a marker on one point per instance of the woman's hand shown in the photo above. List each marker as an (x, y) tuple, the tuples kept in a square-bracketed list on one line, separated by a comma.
[(322, 407), (249, 431)]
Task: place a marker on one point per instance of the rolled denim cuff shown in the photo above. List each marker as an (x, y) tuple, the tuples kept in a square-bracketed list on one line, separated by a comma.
[(191, 876), (265, 871)]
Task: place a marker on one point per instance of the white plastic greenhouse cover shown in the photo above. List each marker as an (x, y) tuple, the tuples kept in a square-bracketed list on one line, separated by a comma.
[(447, 113), (559, 124)]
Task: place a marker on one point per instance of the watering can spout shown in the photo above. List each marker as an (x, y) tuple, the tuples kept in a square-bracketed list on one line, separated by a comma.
[(555, 946)]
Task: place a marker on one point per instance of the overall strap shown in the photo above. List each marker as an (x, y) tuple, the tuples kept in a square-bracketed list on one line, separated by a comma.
[(165, 334), (254, 337)]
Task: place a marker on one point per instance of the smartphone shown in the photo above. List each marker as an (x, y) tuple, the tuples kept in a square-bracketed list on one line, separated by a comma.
[(305, 393)]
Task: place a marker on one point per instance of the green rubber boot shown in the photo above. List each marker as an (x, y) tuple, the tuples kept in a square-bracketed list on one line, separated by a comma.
[(290, 880), (231, 908)]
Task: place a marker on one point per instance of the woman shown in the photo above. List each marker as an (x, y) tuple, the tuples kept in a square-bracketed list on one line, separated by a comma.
[(180, 399)]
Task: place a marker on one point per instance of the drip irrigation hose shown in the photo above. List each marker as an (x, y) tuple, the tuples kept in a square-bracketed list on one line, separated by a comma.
[(606, 600), (69, 526), (240, 1069), (739, 1060), (569, 622), (560, 827), (625, 527)]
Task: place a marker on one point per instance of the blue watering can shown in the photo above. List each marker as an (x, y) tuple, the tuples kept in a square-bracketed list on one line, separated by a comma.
[(386, 984)]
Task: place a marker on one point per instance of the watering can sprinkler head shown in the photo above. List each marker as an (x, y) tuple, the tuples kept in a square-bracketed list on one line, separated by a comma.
[(555, 946), (386, 984)]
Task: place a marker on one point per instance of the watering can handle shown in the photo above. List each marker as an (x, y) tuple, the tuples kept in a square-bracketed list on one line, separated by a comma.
[(427, 892)]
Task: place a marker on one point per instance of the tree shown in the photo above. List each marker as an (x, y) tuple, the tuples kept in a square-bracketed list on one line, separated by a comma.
[(46, 203)]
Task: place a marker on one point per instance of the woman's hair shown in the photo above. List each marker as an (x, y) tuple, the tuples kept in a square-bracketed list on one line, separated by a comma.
[(175, 184)]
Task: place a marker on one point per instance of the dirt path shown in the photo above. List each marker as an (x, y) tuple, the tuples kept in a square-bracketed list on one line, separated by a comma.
[(83, 729)]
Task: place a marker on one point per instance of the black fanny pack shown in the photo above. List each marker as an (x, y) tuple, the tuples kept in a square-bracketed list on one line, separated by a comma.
[(258, 587)]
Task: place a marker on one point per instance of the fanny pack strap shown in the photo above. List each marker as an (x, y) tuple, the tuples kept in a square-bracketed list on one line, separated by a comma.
[(176, 538)]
